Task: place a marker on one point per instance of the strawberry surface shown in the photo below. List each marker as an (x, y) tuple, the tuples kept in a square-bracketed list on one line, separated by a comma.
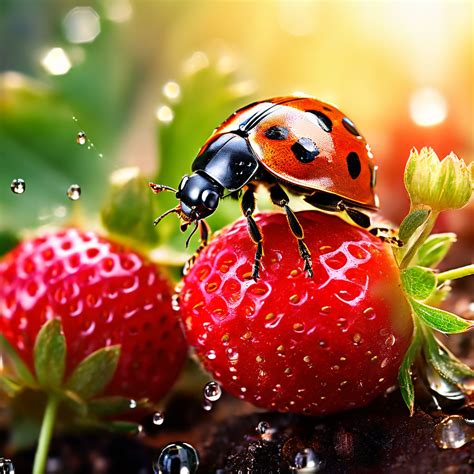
[(292, 343), (104, 294)]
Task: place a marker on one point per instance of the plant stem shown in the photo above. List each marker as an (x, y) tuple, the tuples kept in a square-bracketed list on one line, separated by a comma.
[(47, 428), (411, 252), (456, 273)]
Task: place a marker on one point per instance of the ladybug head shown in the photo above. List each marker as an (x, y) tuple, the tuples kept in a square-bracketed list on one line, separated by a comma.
[(198, 196)]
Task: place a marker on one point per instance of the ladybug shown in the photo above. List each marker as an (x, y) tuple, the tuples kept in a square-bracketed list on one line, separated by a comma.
[(302, 144)]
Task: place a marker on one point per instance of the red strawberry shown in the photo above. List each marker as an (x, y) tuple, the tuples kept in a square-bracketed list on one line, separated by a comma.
[(104, 295), (289, 342)]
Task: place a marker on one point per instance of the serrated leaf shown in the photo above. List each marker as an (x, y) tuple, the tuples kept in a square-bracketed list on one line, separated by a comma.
[(108, 406), (50, 354), (411, 223), (418, 282), (405, 380), (438, 319), (20, 369), (444, 362), (94, 373), (434, 249)]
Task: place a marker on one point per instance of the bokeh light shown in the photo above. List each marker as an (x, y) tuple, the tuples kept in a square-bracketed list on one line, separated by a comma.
[(56, 62), (428, 107), (81, 25)]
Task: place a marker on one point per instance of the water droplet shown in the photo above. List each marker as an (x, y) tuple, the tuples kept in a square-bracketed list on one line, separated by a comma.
[(132, 403), (179, 458), (74, 192), (18, 186), (206, 405), (212, 391), (356, 338), (306, 461), (6, 466), (158, 418), (211, 355), (263, 427), (81, 138), (453, 432), (390, 341)]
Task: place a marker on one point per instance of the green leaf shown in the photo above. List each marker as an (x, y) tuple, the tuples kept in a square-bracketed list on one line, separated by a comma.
[(93, 373), (8, 241), (130, 207), (50, 354), (438, 319), (434, 249), (108, 406), (9, 386), (411, 223), (418, 282), (13, 360), (125, 427), (444, 362), (405, 380)]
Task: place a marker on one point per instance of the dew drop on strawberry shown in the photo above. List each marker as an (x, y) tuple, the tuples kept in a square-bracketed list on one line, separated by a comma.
[(81, 138), (453, 432), (263, 427), (206, 405), (73, 192), (18, 186), (158, 418)]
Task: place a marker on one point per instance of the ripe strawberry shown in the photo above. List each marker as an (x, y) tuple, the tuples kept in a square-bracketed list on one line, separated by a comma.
[(289, 342), (104, 295)]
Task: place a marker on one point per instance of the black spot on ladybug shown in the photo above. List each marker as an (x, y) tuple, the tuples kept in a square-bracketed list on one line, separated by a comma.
[(350, 127), (277, 133), (353, 164), (305, 150), (324, 121)]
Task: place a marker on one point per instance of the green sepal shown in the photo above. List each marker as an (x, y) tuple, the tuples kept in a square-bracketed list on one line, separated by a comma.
[(93, 373), (130, 208), (434, 249), (405, 380), (124, 427), (411, 223), (439, 295), (9, 386), (448, 366), (438, 319), (20, 371), (108, 406), (50, 354), (418, 282)]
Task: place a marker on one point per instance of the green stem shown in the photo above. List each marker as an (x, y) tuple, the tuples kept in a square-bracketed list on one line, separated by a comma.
[(411, 252), (47, 428), (456, 273)]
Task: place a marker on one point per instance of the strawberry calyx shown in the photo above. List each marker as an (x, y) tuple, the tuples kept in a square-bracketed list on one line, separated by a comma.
[(79, 392), (433, 186)]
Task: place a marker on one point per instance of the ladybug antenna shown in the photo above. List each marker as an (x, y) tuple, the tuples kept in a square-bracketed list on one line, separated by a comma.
[(196, 224), (175, 210), (158, 188)]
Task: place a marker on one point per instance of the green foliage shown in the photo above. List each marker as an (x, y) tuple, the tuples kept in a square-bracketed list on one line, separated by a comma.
[(93, 373), (438, 319), (207, 98), (50, 354), (434, 249), (108, 406), (13, 361), (411, 223), (419, 282), (8, 241)]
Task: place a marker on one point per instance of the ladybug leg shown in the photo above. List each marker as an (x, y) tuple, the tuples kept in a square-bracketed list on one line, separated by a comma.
[(387, 235), (281, 199), (358, 217), (204, 231), (248, 207)]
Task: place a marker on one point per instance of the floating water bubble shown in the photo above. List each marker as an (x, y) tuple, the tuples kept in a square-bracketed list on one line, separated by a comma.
[(18, 186), (74, 192), (453, 432), (81, 138), (132, 403), (206, 405), (263, 427), (179, 458), (306, 461), (212, 391), (158, 418)]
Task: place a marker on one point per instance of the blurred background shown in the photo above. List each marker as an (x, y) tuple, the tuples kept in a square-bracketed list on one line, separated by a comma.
[(148, 81)]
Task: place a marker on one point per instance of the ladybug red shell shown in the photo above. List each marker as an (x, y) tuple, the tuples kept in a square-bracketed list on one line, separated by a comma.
[(299, 143), (308, 143)]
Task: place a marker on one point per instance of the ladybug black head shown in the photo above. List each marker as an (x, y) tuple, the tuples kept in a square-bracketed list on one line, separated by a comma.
[(199, 197)]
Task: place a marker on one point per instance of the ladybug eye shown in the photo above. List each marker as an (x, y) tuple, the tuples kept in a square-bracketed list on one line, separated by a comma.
[(277, 133), (210, 199)]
